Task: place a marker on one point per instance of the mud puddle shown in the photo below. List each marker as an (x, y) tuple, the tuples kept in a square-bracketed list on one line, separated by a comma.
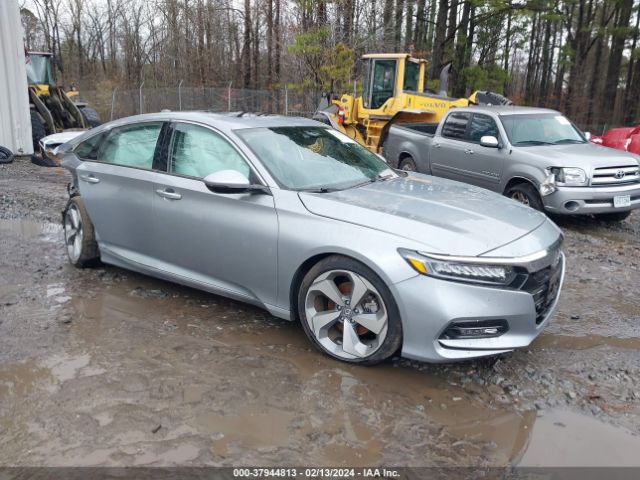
[(28, 229), (566, 439), (244, 381)]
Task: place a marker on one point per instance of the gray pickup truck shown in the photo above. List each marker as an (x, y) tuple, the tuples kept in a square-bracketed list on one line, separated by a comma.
[(533, 155)]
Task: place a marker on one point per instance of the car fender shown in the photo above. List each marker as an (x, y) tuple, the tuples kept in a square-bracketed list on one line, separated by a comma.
[(533, 175)]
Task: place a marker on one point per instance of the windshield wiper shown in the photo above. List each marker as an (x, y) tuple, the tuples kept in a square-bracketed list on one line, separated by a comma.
[(377, 178), (318, 190), (568, 140), (533, 142)]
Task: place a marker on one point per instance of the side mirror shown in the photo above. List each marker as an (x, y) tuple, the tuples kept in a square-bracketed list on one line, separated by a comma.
[(489, 141), (587, 135), (232, 181)]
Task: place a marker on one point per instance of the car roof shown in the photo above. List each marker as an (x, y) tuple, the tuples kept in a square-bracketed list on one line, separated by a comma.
[(509, 109), (224, 121)]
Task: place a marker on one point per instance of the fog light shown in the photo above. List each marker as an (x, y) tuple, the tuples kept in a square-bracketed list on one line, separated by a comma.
[(480, 329), (572, 206)]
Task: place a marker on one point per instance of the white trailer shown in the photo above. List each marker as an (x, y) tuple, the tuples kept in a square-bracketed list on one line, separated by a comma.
[(15, 118)]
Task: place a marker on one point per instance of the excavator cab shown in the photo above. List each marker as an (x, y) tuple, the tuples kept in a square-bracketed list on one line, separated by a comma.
[(40, 70), (52, 111), (387, 76)]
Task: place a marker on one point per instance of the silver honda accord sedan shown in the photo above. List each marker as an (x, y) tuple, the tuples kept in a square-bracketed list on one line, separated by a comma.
[(295, 217)]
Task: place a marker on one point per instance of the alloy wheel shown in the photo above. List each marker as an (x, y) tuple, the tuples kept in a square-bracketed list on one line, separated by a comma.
[(408, 167), (73, 233), (346, 314), (520, 197)]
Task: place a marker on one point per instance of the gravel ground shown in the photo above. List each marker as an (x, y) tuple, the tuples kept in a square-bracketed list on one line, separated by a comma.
[(107, 367)]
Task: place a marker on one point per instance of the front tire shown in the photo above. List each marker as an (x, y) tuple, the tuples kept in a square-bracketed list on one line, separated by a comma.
[(348, 312), (79, 235), (613, 216), (526, 194)]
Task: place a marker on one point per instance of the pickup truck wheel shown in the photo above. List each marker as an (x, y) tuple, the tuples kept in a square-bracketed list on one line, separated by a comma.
[(408, 165), (348, 312), (526, 194), (613, 216)]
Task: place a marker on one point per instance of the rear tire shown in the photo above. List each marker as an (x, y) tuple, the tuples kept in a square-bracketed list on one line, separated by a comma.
[(38, 129), (79, 235), (348, 312), (408, 164), (91, 116), (613, 216), (526, 194)]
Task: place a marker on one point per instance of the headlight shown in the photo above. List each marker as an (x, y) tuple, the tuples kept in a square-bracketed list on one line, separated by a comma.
[(570, 176), (473, 272)]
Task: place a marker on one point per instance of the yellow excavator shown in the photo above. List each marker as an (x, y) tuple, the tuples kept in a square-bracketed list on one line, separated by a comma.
[(394, 90), (52, 109)]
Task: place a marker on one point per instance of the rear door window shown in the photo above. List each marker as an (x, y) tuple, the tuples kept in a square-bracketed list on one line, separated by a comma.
[(482, 126), (455, 126), (198, 151), (131, 146)]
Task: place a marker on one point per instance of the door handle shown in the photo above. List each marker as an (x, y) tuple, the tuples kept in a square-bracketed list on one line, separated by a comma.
[(436, 145), (469, 151), (89, 179), (169, 194)]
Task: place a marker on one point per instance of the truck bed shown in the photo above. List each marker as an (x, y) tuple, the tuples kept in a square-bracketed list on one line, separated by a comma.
[(410, 139), (424, 128)]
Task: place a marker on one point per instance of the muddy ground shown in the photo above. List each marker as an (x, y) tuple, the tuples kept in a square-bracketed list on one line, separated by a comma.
[(108, 367)]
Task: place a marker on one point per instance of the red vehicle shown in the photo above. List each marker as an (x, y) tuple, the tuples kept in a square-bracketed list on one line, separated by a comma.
[(625, 138)]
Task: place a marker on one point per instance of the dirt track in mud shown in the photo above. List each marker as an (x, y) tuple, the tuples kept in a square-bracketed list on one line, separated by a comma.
[(108, 367)]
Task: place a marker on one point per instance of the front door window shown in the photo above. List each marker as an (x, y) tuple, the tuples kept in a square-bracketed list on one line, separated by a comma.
[(198, 151)]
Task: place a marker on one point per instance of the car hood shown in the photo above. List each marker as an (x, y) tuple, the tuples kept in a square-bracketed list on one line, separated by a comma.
[(56, 139), (446, 216), (583, 155)]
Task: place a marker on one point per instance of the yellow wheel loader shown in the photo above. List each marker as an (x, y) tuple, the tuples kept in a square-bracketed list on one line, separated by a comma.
[(52, 109), (394, 90)]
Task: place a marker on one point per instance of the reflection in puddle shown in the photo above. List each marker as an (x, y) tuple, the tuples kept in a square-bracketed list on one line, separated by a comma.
[(566, 439), (50, 232)]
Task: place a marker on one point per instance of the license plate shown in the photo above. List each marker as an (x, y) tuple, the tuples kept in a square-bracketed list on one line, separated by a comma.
[(620, 201)]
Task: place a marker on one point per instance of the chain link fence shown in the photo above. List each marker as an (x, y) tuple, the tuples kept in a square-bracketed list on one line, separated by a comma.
[(120, 103)]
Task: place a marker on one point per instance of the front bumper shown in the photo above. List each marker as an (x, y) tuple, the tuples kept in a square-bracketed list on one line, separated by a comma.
[(428, 306), (588, 200)]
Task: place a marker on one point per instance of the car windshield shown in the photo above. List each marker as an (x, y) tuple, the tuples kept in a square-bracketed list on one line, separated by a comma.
[(540, 129), (314, 158)]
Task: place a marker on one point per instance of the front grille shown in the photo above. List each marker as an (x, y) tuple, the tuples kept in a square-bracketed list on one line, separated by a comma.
[(544, 286), (608, 176)]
